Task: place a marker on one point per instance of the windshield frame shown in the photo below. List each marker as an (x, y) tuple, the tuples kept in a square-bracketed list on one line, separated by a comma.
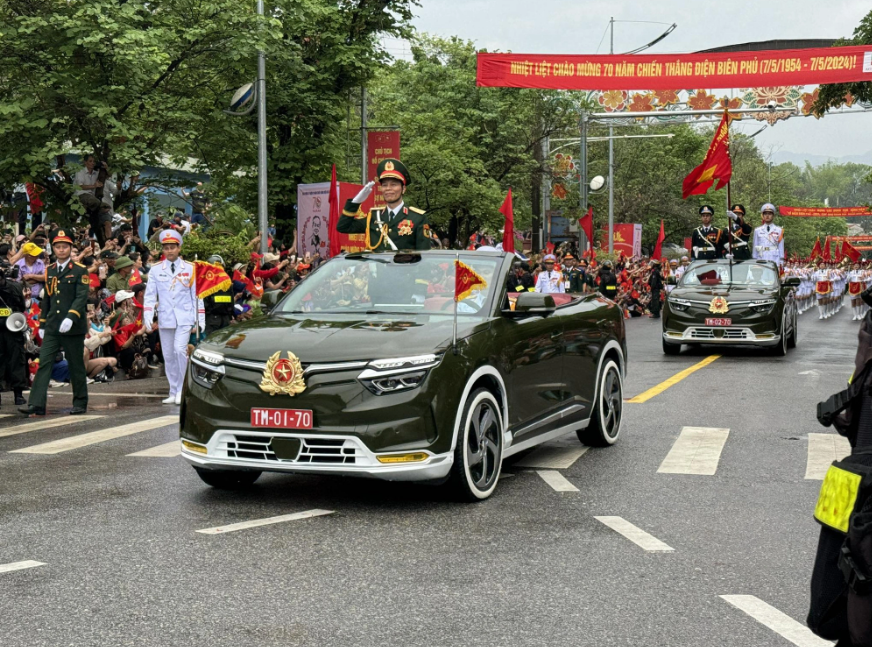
[(731, 267), (496, 290)]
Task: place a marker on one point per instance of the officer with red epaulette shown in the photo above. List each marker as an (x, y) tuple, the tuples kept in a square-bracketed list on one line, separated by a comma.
[(707, 242)]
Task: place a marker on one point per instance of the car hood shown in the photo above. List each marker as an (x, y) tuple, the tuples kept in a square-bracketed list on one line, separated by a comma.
[(731, 293), (335, 338)]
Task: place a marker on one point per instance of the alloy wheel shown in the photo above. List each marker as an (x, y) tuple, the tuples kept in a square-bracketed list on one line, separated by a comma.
[(611, 403), (483, 445)]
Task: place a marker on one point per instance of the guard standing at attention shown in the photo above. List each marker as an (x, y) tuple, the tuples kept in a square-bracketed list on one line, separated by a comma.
[(740, 234), (769, 237), (172, 284), (218, 306), (655, 282), (397, 226), (707, 241), (63, 323), (549, 281)]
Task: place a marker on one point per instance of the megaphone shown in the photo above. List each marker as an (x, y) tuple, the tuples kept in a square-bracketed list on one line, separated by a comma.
[(16, 322)]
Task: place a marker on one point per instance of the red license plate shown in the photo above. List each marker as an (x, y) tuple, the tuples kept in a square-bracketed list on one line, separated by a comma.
[(281, 418), (718, 322)]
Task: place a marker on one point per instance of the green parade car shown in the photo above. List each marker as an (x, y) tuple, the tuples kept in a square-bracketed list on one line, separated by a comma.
[(731, 303), (364, 369)]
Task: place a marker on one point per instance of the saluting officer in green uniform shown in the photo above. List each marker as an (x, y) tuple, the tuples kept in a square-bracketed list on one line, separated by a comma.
[(62, 325), (396, 227)]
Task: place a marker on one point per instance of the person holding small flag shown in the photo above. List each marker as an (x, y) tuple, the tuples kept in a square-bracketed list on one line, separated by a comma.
[(171, 294), (769, 237)]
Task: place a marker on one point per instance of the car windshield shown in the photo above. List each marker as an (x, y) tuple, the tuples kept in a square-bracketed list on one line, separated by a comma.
[(742, 274), (382, 284)]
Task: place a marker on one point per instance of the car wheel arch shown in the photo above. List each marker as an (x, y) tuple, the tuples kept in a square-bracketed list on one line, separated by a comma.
[(489, 378)]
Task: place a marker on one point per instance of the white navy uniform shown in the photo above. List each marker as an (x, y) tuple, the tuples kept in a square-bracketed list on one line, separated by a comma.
[(550, 282), (769, 244), (173, 287)]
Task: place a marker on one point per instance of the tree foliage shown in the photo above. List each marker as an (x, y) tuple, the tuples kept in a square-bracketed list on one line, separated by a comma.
[(833, 95)]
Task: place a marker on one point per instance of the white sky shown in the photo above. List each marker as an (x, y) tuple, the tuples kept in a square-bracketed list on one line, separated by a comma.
[(577, 27)]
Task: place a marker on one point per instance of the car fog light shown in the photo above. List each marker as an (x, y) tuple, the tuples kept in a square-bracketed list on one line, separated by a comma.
[(415, 457), (194, 447)]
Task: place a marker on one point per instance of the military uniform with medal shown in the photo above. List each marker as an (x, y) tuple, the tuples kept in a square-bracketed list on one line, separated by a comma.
[(740, 234), (395, 227), (63, 323), (707, 242)]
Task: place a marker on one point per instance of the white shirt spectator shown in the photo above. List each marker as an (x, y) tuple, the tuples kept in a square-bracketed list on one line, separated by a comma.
[(109, 191), (84, 177)]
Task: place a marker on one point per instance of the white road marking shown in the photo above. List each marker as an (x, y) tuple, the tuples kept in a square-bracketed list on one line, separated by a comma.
[(823, 449), (635, 534), (814, 372), (697, 450), (244, 525), (782, 624), (553, 457), (557, 481), (5, 415), (54, 392), (44, 424), (17, 566), (83, 440), (172, 448)]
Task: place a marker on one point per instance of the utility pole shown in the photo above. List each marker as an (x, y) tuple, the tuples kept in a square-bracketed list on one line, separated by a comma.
[(546, 187), (582, 173), (611, 157), (363, 131), (262, 196)]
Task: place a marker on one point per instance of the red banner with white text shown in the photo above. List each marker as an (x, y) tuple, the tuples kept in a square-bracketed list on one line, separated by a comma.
[(381, 145), (669, 71), (825, 212)]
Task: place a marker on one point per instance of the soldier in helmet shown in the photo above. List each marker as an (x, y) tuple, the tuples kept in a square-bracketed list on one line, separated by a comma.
[(707, 242), (397, 226)]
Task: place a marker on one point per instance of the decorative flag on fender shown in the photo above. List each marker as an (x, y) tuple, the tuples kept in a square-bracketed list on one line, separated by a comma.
[(816, 251), (210, 279), (509, 231), (717, 164), (851, 252), (658, 248), (466, 280), (586, 224), (333, 216), (135, 278)]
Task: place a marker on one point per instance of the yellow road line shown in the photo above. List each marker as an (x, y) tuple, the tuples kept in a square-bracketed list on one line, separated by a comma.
[(672, 381)]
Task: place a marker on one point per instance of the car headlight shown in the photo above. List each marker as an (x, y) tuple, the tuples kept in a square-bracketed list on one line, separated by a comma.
[(384, 376), (207, 367), (679, 304), (762, 306)]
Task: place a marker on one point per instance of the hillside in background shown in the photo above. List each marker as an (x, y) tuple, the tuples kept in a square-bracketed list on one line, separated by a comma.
[(819, 160)]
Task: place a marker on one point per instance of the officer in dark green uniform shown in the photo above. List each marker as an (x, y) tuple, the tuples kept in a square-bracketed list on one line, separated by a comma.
[(396, 227), (62, 325), (574, 275), (218, 306), (740, 234)]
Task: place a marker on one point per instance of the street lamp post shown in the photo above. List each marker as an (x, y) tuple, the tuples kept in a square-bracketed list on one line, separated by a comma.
[(261, 145)]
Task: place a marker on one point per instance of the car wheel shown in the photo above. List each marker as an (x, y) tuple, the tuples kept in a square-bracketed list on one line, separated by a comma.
[(670, 349), (780, 350), (227, 479), (478, 456), (794, 334), (605, 421)]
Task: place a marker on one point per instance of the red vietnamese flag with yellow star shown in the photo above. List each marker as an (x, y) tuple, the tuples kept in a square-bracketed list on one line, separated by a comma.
[(717, 164), (466, 280)]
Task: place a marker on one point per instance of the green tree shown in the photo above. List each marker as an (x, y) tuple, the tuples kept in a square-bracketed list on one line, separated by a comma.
[(833, 95)]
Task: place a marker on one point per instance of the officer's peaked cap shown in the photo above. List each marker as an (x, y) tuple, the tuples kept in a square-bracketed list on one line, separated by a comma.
[(706, 210), (393, 169)]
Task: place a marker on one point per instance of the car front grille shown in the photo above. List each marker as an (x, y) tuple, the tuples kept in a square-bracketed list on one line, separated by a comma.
[(313, 450), (720, 333)]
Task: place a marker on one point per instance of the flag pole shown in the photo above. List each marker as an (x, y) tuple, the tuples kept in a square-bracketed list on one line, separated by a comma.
[(729, 198), (454, 328)]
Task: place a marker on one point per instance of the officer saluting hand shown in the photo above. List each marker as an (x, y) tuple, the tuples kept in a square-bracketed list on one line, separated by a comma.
[(740, 234), (397, 227), (62, 326)]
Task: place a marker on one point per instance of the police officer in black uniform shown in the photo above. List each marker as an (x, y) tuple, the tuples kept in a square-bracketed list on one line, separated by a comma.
[(608, 285), (13, 366), (740, 234), (707, 242), (218, 306)]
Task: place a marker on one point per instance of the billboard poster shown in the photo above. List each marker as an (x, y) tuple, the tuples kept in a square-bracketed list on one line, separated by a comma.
[(628, 239), (381, 145), (313, 219)]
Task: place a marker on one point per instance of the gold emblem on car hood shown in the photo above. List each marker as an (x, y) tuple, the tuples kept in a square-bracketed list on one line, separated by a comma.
[(719, 306), (283, 375)]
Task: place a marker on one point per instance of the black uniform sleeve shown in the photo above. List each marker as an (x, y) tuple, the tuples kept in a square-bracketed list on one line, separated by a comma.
[(80, 301)]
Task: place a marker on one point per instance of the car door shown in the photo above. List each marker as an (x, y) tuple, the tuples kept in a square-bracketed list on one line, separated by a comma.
[(532, 357), (585, 333)]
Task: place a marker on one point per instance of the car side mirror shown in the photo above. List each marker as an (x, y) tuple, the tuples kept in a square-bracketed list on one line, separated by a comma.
[(270, 300), (791, 282), (532, 303)]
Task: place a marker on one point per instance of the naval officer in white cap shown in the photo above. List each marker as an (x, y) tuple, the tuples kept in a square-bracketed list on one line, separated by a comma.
[(172, 284), (769, 237)]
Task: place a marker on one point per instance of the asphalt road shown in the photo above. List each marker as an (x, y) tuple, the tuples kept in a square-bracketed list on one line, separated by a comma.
[(400, 564)]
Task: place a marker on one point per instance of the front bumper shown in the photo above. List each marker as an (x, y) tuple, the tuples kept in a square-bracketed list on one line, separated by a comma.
[(721, 335), (320, 453)]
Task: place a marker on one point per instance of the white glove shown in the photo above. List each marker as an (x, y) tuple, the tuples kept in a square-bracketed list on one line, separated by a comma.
[(66, 324), (147, 327), (361, 197), (732, 216), (40, 332)]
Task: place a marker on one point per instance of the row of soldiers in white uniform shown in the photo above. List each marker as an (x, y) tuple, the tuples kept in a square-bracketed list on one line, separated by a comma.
[(827, 284)]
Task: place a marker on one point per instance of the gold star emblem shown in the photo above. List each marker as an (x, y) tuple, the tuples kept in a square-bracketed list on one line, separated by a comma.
[(283, 375)]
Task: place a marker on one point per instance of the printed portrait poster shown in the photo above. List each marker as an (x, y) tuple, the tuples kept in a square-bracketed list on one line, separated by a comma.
[(313, 218)]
